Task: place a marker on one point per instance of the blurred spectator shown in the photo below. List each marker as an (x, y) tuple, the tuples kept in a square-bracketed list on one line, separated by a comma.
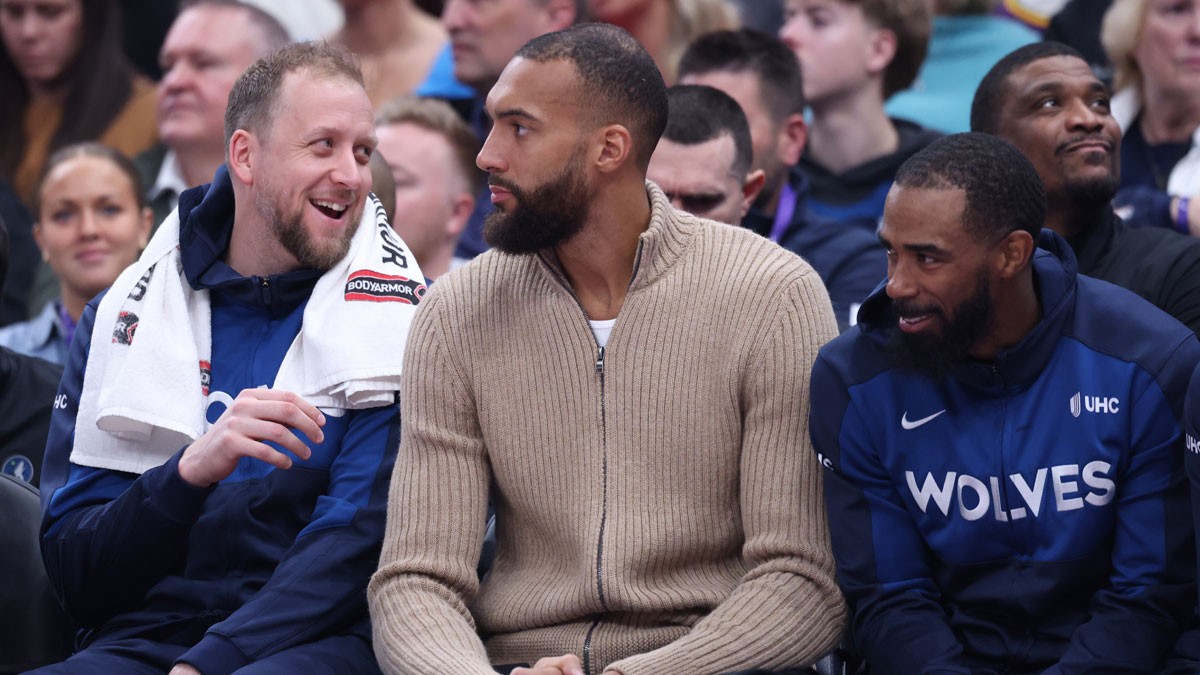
[(305, 19), (144, 25), (763, 15), (763, 76), (855, 55), (431, 152), (207, 48), (1033, 13), (1075, 145), (665, 27), (967, 40), (91, 224), (401, 49), (27, 388), (484, 36), (702, 162), (66, 80), (1154, 46), (23, 257), (1077, 25)]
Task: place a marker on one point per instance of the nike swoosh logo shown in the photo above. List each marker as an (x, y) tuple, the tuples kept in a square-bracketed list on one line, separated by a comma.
[(916, 423)]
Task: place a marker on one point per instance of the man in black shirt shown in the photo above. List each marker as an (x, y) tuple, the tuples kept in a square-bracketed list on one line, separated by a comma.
[(1045, 99)]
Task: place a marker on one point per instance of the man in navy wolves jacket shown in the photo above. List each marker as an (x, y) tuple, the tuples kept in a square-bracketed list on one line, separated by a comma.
[(1004, 462), (236, 552)]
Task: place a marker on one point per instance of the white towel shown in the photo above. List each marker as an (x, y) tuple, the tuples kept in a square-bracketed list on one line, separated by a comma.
[(145, 387)]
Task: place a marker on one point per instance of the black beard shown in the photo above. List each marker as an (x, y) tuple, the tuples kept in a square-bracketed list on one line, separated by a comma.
[(545, 216), (1092, 195), (938, 355)]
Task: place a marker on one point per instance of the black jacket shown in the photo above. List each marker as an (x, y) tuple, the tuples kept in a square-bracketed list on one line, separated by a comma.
[(1160, 265), (27, 389)]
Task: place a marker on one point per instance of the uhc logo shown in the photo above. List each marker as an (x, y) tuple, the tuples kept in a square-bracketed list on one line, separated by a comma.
[(376, 287), (1094, 404), (1192, 444)]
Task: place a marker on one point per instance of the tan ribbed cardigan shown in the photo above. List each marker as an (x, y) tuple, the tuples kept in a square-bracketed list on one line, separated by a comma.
[(659, 513)]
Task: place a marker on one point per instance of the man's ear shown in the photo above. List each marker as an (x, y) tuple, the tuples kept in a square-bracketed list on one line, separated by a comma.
[(615, 148), (1014, 253), (243, 151), (793, 136), (751, 187), (881, 50), (462, 205)]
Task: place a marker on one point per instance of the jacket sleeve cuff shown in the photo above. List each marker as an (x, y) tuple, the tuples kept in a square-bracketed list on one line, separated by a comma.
[(214, 655), (171, 494)]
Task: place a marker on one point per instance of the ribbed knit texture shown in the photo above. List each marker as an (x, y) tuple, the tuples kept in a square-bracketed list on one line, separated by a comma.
[(671, 508)]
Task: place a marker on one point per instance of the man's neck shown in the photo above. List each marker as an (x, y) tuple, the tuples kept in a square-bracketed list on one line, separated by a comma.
[(253, 249), (198, 165), (376, 27), (851, 131), (599, 260), (1014, 314), (437, 263), (1070, 219)]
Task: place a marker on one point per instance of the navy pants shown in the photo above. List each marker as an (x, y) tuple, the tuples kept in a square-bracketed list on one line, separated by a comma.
[(135, 656)]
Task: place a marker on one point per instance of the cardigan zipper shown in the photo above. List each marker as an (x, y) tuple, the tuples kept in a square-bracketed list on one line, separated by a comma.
[(587, 642)]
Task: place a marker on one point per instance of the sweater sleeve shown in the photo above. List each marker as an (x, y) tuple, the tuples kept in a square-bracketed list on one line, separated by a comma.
[(897, 621), (1137, 617), (437, 510), (317, 588), (107, 536), (787, 610)]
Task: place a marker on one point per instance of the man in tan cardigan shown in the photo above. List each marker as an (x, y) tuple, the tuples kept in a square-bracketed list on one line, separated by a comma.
[(631, 384)]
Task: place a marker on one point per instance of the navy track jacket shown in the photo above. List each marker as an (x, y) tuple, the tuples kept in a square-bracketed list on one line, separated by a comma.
[(1024, 515), (265, 560)]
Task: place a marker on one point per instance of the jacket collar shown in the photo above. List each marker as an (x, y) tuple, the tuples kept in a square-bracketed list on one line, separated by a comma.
[(666, 238), (1055, 280), (205, 227)]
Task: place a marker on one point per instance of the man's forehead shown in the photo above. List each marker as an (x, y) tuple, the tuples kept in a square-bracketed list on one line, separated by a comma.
[(194, 30), (1052, 71), (709, 161), (533, 86), (342, 103), (925, 215)]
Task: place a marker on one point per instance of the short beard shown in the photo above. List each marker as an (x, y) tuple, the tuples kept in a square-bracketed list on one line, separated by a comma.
[(1093, 194), (290, 232), (938, 355), (544, 216)]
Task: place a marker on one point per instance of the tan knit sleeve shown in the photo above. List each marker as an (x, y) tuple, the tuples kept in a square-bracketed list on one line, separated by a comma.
[(787, 610), (437, 507)]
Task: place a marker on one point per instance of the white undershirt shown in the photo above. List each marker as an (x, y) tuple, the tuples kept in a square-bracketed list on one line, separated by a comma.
[(602, 329)]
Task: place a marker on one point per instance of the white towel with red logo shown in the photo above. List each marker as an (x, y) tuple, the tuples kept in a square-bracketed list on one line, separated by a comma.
[(145, 386)]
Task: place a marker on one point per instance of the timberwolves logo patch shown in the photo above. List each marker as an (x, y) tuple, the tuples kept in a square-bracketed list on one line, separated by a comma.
[(19, 467), (127, 323), (376, 287)]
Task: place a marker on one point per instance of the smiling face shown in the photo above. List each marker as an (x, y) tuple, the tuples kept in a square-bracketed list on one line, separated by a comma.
[(89, 225), (42, 36), (312, 175), (699, 178), (938, 276), (1057, 114), (1168, 49), (206, 49)]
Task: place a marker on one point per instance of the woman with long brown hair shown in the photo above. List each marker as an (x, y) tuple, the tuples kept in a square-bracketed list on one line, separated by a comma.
[(64, 80)]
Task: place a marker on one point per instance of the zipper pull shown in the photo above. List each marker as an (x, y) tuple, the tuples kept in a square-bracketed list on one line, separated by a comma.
[(600, 361)]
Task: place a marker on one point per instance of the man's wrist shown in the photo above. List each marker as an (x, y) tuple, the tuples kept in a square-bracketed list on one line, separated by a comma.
[(1181, 210)]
